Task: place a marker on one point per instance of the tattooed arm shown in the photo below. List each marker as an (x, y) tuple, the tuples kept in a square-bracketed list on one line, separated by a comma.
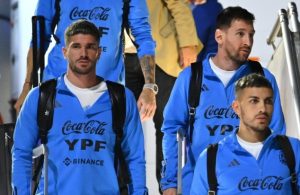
[(147, 101)]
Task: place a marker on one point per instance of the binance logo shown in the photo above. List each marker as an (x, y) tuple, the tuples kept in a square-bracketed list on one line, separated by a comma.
[(67, 161)]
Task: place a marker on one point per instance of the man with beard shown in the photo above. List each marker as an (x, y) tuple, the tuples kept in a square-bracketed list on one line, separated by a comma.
[(253, 159), (81, 141), (214, 117), (108, 17)]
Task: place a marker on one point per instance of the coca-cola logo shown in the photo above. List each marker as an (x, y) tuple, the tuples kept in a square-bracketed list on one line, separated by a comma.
[(213, 112), (90, 127), (267, 183), (97, 13)]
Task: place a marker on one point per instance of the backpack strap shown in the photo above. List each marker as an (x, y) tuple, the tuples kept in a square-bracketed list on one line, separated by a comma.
[(46, 105), (125, 22), (256, 67), (287, 149), (55, 20), (118, 101), (211, 168), (194, 94)]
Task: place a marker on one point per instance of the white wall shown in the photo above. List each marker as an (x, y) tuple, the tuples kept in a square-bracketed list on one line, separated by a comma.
[(21, 36)]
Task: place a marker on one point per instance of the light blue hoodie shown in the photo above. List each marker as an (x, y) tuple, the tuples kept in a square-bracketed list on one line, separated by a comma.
[(214, 119), (268, 175), (81, 146)]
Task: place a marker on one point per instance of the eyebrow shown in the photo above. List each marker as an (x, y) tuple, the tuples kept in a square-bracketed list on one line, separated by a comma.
[(243, 29), (255, 97), (76, 43)]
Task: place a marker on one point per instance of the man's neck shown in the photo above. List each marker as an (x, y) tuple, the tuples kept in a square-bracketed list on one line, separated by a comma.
[(253, 136), (224, 62), (83, 81)]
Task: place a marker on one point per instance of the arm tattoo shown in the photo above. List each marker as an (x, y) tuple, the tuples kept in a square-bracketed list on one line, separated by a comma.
[(148, 67)]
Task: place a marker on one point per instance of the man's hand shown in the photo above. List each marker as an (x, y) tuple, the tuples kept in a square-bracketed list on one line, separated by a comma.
[(25, 91), (187, 55), (170, 191), (27, 85), (147, 100), (146, 104)]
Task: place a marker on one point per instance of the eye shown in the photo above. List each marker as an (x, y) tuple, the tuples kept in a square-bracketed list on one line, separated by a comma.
[(92, 46), (269, 101), (75, 46), (240, 34), (253, 101)]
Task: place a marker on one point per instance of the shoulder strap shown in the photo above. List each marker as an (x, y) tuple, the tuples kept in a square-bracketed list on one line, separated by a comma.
[(46, 103), (55, 20), (117, 97), (287, 149), (118, 101), (194, 93), (126, 7), (125, 23), (211, 168), (256, 67)]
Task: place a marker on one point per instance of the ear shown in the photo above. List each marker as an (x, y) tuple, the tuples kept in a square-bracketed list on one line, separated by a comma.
[(219, 36), (236, 107), (64, 51), (99, 52)]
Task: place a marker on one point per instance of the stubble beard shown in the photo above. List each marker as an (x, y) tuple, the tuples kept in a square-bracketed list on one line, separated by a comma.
[(238, 58), (81, 71)]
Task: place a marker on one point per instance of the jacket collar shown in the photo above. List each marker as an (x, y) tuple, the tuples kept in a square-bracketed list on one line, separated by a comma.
[(232, 142), (210, 73)]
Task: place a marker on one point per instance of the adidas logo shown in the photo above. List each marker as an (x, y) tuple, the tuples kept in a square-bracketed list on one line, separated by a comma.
[(204, 88), (57, 104), (233, 163)]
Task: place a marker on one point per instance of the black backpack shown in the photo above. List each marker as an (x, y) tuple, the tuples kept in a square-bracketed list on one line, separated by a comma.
[(195, 89), (46, 105), (283, 143)]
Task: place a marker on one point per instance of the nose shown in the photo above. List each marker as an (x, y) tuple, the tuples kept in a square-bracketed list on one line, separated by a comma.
[(83, 52), (262, 107), (248, 40)]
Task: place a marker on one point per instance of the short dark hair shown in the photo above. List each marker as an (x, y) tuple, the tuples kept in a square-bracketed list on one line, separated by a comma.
[(81, 27), (230, 14), (251, 80)]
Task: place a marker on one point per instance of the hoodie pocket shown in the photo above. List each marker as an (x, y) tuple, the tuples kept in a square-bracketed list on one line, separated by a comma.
[(168, 29)]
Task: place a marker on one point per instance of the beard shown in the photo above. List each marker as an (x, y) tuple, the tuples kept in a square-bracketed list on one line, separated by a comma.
[(77, 69), (256, 125), (238, 57)]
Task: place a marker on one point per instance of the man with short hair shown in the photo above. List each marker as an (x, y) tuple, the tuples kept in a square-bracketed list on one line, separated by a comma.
[(214, 117), (108, 16), (251, 160), (81, 141)]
